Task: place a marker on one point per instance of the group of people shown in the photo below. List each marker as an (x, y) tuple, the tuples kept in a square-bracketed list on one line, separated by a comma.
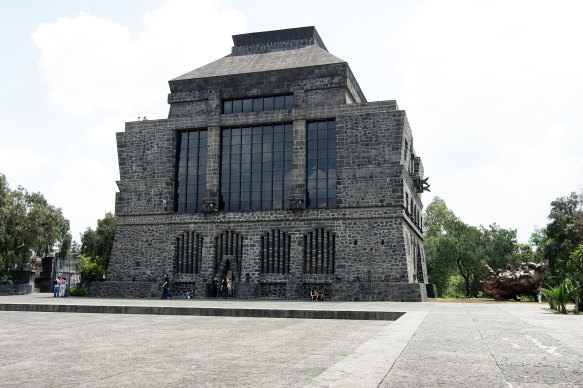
[(59, 287), (224, 286), (316, 294)]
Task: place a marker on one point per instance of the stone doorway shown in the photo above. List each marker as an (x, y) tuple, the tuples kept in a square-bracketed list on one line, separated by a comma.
[(228, 271)]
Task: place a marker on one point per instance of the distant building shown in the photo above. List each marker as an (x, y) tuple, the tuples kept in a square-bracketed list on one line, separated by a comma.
[(67, 269), (273, 170)]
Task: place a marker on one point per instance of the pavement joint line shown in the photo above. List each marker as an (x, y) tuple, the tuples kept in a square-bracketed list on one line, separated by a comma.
[(370, 363), (403, 348), (489, 349)]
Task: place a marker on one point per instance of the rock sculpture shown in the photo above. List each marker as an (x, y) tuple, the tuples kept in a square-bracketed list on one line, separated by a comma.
[(509, 284)]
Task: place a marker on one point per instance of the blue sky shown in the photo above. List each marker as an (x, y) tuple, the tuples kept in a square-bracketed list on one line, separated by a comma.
[(492, 89)]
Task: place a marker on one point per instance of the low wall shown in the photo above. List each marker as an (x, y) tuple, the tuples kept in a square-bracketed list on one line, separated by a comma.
[(347, 291), (22, 283), (15, 289)]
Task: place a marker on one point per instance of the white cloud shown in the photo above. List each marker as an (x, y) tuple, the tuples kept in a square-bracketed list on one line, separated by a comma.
[(492, 91), (93, 66), (105, 74), (25, 161), (103, 131), (84, 192)]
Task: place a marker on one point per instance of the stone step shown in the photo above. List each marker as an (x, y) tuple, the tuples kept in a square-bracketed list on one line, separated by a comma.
[(206, 311)]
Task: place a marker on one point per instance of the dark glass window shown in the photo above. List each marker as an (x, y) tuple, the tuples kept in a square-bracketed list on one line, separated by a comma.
[(228, 106), (247, 105), (191, 170), (321, 163), (237, 106), (268, 103), (258, 168), (278, 103), (258, 104)]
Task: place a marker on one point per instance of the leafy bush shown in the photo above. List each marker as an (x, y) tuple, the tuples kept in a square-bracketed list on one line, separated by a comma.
[(99, 242), (78, 291), (454, 287), (559, 296), (91, 268), (578, 297), (5, 278)]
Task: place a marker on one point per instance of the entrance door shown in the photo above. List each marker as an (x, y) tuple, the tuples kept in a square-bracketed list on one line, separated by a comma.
[(230, 280)]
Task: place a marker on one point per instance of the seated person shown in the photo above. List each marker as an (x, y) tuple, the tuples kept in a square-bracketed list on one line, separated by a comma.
[(189, 294), (320, 295), (314, 294)]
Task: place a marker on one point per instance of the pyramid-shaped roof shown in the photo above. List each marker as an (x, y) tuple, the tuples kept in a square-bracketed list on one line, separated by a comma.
[(267, 51)]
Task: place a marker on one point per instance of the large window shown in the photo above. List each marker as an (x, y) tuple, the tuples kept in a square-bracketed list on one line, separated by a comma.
[(321, 163), (188, 252), (258, 104), (191, 172), (256, 167), (319, 252)]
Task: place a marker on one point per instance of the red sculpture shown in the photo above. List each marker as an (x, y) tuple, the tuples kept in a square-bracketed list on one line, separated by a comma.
[(509, 284)]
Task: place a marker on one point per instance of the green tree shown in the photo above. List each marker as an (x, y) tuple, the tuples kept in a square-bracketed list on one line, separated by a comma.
[(96, 244), (456, 252), (562, 235), (91, 268), (452, 248), (440, 264), (576, 260), (469, 255), (29, 226), (501, 247)]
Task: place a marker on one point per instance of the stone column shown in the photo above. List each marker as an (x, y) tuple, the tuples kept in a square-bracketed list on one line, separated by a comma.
[(211, 200), (298, 194)]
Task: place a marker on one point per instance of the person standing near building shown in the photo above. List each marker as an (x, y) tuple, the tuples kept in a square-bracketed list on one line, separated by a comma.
[(215, 287), (57, 287), (63, 282), (166, 287), (225, 288)]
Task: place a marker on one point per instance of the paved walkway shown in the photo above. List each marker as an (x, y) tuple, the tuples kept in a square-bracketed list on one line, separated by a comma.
[(433, 344)]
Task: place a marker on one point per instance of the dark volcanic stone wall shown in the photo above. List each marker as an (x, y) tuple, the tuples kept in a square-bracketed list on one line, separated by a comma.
[(376, 226)]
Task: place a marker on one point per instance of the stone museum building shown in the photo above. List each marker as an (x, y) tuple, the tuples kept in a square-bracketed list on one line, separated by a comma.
[(273, 170)]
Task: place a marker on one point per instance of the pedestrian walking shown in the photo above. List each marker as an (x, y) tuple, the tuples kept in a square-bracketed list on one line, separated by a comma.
[(166, 288)]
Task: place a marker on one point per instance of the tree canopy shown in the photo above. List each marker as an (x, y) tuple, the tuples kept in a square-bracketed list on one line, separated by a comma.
[(99, 242), (29, 226), (456, 252), (563, 235), (96, 247)]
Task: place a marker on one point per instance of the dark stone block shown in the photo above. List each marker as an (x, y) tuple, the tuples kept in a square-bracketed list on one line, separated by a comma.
[(375, 198)]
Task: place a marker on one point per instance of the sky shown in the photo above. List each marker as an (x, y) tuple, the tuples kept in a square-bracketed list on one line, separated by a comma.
[(492, 89)]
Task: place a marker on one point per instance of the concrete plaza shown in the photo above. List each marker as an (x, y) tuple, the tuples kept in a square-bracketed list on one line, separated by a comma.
[(433, 344)]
